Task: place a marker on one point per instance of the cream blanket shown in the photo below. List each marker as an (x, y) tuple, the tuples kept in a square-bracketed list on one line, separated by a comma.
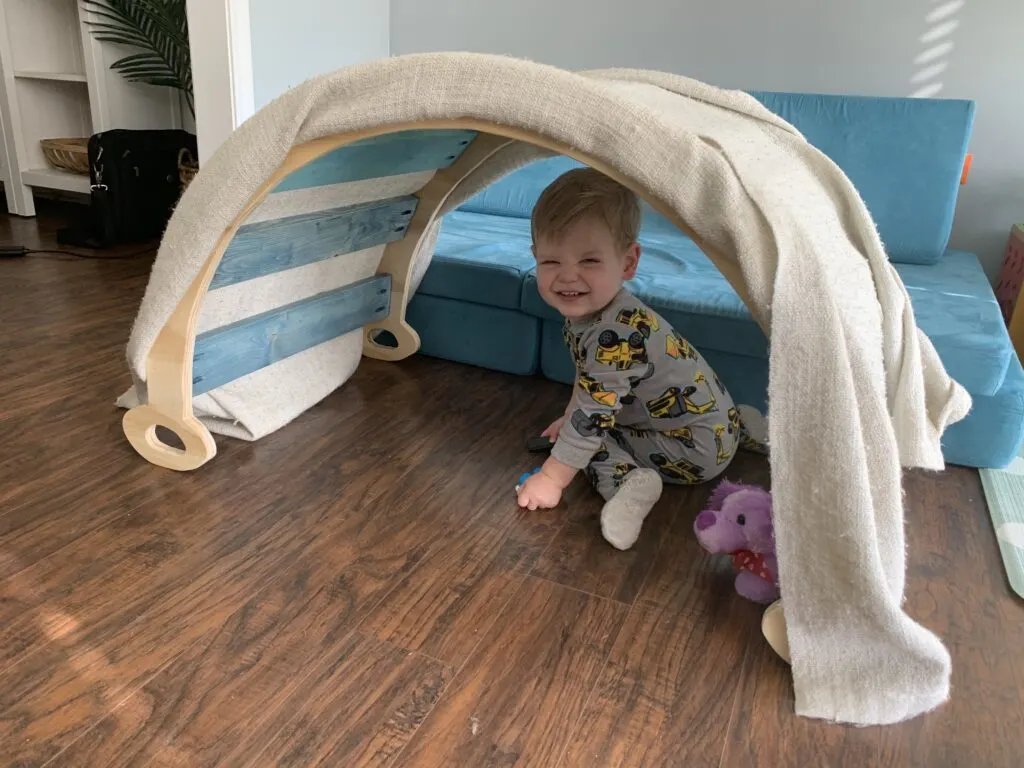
[(855, 389)]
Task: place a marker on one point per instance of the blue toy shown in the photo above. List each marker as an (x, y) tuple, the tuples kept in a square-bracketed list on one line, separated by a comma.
[(526, 476)]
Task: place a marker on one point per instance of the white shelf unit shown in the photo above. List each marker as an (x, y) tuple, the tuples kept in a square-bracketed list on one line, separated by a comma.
[(66, 77), (56, 82)]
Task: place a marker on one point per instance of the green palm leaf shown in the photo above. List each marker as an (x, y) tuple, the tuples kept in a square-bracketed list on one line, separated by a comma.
[(159, 28)]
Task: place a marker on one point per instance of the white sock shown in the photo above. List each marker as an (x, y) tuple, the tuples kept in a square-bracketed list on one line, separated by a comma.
[(623, 515)]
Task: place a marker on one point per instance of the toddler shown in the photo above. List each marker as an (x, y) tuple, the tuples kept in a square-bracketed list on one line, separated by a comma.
[(646, 407)]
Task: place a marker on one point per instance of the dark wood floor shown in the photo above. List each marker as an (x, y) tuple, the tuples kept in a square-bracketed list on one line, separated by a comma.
[(360, 588)]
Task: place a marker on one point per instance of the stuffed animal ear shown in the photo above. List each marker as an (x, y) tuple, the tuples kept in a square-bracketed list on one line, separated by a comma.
[(722, 491)]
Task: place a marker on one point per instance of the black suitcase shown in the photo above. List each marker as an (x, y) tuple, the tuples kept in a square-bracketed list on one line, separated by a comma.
[(134, 186)]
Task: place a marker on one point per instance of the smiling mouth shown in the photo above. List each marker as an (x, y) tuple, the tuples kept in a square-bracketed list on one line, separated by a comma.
[(571, 294)]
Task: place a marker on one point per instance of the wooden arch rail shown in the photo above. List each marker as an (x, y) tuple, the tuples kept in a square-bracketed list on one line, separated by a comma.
[(169, 362)]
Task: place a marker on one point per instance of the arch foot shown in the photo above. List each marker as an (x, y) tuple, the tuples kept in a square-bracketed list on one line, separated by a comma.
[(402, 343), (773, 627), (140, 425)]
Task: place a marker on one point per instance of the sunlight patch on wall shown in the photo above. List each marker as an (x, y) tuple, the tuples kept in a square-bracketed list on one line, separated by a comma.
[(933, 60)]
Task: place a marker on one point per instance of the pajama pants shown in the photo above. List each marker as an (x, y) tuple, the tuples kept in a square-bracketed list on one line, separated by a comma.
[(687, 456)]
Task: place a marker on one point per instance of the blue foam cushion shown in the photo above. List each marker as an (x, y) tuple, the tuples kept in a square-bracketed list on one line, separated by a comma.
[(480, 258), (954, 305), (903, 155), (488, 337), (487, 260), (990, 436), (517, 193), (555, 362), (952, 300)]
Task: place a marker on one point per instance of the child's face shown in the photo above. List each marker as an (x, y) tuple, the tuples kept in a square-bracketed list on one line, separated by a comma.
[(580, 273)]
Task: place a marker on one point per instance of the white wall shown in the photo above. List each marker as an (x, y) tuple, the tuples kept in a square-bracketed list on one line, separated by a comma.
[(245, 53), (293, 40), (950, 48)]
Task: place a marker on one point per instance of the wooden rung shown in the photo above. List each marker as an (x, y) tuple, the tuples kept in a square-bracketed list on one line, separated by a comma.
[(388, 155), (232, 351), (273, 246)]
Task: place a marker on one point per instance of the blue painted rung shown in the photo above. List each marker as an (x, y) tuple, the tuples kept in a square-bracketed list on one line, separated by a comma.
[(232, 351), (388, 155), (273, 246)]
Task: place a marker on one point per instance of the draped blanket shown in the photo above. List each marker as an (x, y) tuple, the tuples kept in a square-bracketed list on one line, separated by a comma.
[(856, 391)]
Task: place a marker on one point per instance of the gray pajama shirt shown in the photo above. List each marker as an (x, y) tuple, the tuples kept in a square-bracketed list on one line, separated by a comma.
[(643, 397)]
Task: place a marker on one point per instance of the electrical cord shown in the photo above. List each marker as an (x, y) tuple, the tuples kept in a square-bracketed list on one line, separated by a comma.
[(20, 250), (96, 257)]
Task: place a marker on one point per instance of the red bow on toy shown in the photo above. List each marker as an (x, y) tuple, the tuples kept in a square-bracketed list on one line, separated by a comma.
[(745, 560)]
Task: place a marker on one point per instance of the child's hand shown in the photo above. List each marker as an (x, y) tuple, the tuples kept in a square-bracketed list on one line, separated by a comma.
[(552, 431), (540, 492)]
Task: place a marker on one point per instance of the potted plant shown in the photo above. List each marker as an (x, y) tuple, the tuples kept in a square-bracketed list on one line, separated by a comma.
[(158, 29)]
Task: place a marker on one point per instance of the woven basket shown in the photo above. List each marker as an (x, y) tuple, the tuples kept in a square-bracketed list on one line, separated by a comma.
[(188, 167), (67, 154)]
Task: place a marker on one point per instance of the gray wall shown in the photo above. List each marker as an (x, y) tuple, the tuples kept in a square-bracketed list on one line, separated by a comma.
[(293, 40), (957, 48)]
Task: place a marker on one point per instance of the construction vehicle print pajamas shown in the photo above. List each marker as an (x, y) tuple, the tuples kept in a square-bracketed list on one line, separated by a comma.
[(643, 397)]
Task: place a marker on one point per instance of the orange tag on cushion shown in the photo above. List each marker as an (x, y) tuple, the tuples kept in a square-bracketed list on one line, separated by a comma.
[(967, 168)]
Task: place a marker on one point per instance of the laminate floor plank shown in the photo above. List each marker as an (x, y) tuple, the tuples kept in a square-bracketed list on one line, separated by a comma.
[(675, 672), (219, 693), (580, 558), (519, 694), (30, 687), (360, 707), (135, 555), (360, 588)]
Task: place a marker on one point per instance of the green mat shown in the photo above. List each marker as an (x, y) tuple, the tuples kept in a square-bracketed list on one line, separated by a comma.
[(1004, 491)]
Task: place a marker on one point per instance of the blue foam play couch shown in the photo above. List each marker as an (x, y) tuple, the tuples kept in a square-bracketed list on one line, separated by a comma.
[(478, 303)]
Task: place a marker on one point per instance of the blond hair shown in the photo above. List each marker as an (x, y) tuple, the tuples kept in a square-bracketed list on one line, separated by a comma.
[(584, 192)]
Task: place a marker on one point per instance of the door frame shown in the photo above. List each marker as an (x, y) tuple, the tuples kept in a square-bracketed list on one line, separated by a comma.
[(222, 77)]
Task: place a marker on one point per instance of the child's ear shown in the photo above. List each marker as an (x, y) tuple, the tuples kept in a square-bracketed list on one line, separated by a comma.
[(632, 261)]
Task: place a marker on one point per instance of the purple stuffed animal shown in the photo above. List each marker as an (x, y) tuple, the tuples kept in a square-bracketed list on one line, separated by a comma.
[(738, 521)]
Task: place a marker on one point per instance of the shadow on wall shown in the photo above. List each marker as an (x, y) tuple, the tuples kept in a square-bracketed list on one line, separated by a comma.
[(937, 43)]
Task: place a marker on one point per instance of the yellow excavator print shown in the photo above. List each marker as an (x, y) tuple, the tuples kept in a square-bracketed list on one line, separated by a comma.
[(639, 319), (680, 470), (679, 348), (723, 455), (683, 434), (675, 402), (594, 424), (592, 387), (619, 472), (621, 353), (734, 421)]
